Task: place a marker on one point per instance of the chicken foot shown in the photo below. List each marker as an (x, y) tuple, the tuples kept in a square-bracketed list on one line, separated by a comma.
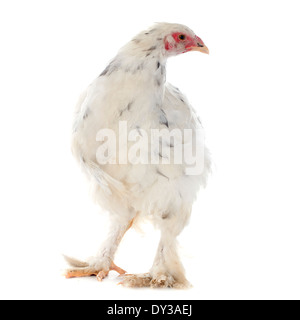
[(102, 263), (167, 270), (82, 269)]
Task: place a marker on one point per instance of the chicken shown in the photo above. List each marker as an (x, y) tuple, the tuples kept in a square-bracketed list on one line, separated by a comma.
[(129, 138)]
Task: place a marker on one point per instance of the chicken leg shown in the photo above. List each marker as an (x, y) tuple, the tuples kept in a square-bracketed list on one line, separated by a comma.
[(102, 264), (167, 270)]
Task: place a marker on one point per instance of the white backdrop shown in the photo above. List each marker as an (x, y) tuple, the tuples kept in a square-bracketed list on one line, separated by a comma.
[(243, 239)]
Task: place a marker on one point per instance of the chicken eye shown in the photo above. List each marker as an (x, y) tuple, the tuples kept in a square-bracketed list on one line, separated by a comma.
[(181, 37)]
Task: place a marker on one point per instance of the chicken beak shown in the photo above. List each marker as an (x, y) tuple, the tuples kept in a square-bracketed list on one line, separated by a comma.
[(200, 47)]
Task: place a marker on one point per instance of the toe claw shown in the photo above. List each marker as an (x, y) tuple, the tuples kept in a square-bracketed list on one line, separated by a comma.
[(101, 275)]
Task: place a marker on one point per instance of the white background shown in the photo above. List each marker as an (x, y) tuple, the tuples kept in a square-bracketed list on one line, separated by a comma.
[(243, 239)]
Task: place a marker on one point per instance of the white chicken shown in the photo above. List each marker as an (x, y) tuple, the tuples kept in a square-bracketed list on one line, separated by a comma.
[(131, 99)]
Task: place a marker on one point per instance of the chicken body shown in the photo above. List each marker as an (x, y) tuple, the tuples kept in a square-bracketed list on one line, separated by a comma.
[(132, 91)]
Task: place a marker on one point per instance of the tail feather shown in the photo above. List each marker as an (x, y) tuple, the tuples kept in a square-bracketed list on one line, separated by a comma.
[(75, 263)]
